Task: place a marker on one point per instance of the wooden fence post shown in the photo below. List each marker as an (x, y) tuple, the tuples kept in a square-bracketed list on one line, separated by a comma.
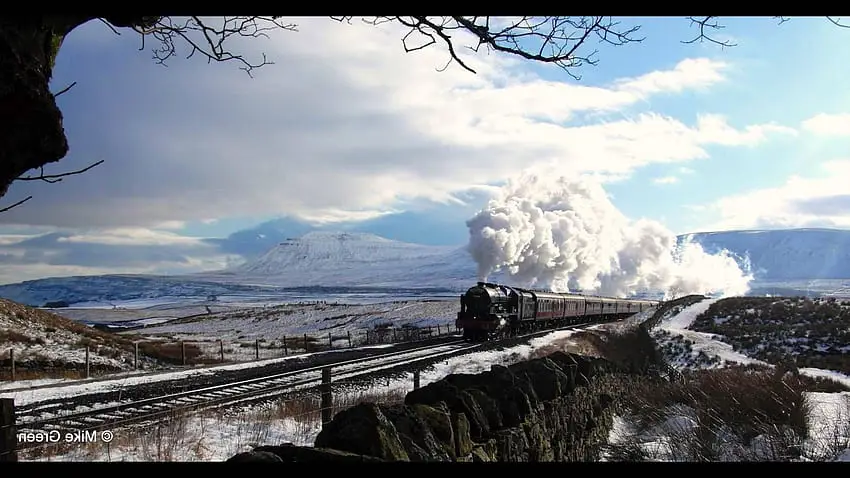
[(327, 396), (416, 379), (8, 432), (305, 342), (257, 349), (221, 350), (394, 337), (135, 355), (183, 351), (330, 341), (88, 368), (349, 339), (12, 360), (285, 352)]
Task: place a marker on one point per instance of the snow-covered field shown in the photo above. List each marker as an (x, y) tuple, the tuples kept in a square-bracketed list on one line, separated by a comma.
[(314, 319), (278, 331)]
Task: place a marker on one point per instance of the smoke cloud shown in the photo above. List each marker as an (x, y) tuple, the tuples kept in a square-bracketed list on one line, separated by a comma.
[(567, 236)]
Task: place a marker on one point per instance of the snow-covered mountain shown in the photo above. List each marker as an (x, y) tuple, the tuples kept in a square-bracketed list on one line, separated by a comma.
[(785, 255), (321, 250), (335, 262), (356, 260)]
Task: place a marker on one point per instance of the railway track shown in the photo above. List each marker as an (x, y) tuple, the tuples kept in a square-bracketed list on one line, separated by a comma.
[(35, 419)]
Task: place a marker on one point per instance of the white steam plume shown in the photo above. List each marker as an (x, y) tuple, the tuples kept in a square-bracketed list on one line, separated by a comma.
[(566, 235)]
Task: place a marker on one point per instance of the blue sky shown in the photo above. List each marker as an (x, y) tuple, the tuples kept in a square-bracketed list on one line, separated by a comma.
[(346, 131)]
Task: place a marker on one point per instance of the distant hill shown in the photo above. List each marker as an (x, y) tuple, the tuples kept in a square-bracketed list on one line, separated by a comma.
[(784, 255)]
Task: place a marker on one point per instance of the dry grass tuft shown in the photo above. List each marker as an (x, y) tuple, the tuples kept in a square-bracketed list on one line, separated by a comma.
[(735, 413)]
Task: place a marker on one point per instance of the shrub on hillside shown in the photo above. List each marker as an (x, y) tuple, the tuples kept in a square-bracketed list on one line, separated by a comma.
[(810, 333), (632, 349)]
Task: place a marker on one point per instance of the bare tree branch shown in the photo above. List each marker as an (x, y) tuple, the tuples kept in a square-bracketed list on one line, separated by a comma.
[(565, 41), (837, 22), (55, 178), (109, 25), (16, 204), (207, 37), (64, 90), (558, 40), (708, 23)]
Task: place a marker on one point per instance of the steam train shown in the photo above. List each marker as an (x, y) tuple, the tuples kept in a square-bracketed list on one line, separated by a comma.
[(489, 311)]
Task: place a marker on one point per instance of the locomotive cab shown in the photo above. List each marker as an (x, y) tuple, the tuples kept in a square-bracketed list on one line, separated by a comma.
[(484, 308)]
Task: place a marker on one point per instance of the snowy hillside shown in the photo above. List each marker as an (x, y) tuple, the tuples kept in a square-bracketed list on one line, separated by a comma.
[(785, 255), (108, 289), (356, 259), (321, 250)]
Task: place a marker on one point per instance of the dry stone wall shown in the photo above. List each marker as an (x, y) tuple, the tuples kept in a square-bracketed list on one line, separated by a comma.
[(557, 408)]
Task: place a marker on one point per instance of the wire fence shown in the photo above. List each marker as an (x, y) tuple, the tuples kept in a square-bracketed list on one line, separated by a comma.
[(28, 363), (295, 417)]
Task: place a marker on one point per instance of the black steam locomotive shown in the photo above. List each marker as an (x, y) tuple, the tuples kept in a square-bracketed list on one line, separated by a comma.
[(492, 310)]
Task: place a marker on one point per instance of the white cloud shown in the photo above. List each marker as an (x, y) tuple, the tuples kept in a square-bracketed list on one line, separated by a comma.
[(686, 170), (822, 201), (691, 73), (10, 274), (132, 237), (343, 121), (828, 124), (716, 130), (666, 180), (6, 239), (329, 216), (171, 225), (124, 250)]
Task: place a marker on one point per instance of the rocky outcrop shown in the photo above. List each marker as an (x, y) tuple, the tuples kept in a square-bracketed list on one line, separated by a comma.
[(557, 408)]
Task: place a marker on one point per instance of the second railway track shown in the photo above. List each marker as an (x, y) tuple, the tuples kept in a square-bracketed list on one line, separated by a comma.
[(33, 418)]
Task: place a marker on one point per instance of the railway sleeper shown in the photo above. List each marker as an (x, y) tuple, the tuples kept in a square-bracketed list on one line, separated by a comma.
[(208, 396), (109, 416), (91, 419), (123, 413)]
